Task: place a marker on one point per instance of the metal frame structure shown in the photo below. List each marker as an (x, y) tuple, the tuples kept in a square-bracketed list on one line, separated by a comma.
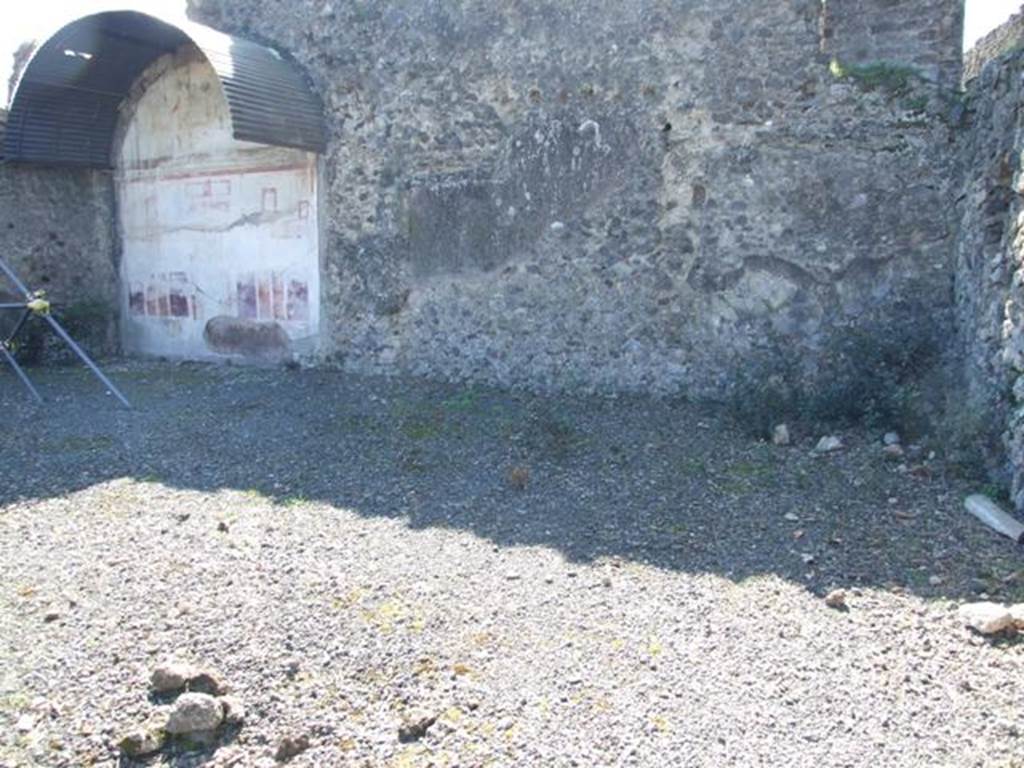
[(65, 108), (36, 305)]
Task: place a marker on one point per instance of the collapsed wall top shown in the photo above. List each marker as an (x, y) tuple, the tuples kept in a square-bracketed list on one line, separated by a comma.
[(66, 106)]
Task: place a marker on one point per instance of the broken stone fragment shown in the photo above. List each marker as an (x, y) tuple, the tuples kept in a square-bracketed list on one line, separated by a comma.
[(149, 738), (290, 746), (170, 677), (207, 681), (142, 741), (292, 667), (836, 599), (175, 676), (194, 713), (829, 444), (781, 435), (986, 618), (415, 725), (519, 478), (891, 439), (894, 452), (995, 517)]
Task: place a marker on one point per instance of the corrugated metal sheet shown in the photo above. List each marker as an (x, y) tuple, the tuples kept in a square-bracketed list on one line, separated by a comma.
[(65, 109)]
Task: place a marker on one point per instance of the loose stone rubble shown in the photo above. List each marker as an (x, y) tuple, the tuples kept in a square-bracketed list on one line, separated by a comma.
[(197, 712)]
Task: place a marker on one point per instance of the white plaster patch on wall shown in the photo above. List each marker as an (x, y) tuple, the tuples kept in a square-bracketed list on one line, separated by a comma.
[(220, 237)]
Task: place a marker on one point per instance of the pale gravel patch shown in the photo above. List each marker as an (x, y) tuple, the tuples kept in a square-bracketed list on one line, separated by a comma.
[(643, 602)]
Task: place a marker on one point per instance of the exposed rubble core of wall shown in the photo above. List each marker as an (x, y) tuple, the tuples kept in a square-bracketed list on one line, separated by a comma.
[(993, 46), (56, 232), (924, 34), (635, 195), (990, 265)]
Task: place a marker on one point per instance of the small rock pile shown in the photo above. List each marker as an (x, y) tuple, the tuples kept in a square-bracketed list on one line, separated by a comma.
[(993, 618), (201, 709)]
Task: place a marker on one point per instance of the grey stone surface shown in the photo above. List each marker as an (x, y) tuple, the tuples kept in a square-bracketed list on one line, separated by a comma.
[(170, 677), (56, 232), (989, 280), (925, 34), (194, 713), (616, 196), (993, 46)]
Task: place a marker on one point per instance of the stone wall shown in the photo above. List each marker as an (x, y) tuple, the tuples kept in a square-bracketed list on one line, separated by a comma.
[(994, 46), (990, 267), (56, 232), (924, 34), (613, 195)]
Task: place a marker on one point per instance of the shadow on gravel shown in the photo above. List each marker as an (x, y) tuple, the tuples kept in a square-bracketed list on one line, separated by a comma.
[(660, 482)]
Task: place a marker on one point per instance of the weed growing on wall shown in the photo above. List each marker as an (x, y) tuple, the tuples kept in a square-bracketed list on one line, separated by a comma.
[(971, 441), (893, 79), (880, 376)]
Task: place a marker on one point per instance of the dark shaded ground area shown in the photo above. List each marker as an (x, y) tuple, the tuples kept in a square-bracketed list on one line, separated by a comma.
[(662, 482)]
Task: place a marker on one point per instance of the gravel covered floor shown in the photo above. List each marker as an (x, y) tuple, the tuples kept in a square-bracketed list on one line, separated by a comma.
[(559, 581)]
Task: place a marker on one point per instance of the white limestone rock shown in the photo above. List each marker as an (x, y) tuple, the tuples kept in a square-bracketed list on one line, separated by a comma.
[(986, 618)]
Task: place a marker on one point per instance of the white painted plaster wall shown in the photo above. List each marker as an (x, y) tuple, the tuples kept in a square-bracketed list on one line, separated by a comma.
[(220, 237)]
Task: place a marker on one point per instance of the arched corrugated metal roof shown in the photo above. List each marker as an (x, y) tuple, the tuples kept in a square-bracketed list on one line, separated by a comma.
[(65, 108)]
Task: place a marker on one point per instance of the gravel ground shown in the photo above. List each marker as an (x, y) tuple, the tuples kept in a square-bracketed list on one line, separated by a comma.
[(559, 581)]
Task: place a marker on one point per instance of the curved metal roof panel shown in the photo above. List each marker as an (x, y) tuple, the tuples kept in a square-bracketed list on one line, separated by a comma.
[(66, 106)]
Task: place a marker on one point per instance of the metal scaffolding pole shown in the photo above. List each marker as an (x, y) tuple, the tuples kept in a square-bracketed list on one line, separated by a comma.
[(85, 359), (14, 279), (36, 305), (20, 373)]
